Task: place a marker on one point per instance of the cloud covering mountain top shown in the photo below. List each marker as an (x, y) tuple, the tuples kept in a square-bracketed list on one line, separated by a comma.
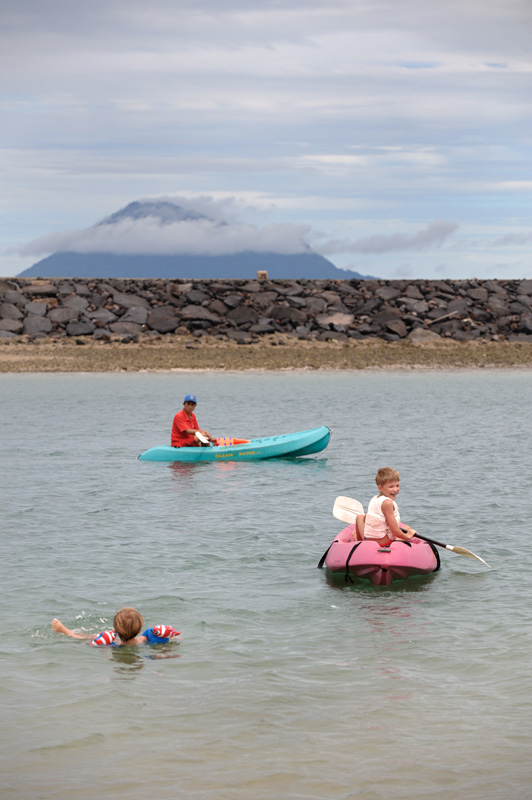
[(175, 227)]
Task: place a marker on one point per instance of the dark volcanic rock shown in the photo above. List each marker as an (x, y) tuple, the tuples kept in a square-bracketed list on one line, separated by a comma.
[(36, 325), (242, 315), (388, 292), (247, 309), (479, 294), (316, 305), (41, 290), (296, 316), (17, 298), (82, 328), (137, 315), (398, 327), (36, 307), (496, 307), (62, 315), (10, 311), (129, 300), (199, 313), (265, 299), (411, 304), (125, 327), (163, 319), (232, 300), (243, 337), (386, 315), (196, 296), (12, 325), (76, 302), (459, 306), (466, 335), (99, 315), (218, 307), (264, 325), (413, 291)]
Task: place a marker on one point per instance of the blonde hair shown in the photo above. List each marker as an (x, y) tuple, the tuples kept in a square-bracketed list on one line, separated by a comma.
[(128, 623), (386, 475)]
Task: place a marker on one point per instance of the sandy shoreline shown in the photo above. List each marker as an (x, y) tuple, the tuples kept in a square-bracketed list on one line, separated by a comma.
[(271, 353)]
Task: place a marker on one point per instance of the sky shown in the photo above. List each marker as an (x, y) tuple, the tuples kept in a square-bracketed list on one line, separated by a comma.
[(391, 136)]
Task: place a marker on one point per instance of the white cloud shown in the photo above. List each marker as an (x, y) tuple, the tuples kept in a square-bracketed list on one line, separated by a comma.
[(513, 239), (432, 236), (221, 234)]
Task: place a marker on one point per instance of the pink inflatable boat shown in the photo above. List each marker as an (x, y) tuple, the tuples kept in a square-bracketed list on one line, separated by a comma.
[(380, 565)]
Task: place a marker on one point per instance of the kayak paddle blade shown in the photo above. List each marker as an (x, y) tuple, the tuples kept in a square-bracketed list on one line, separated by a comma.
[(462, 551), (346, 509)]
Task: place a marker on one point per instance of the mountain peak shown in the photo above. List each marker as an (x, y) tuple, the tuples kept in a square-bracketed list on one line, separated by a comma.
[(163, 210)]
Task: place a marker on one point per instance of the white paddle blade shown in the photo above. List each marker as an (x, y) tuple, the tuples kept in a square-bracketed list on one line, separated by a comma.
[(462, 551), (201, 437), (346, 509)]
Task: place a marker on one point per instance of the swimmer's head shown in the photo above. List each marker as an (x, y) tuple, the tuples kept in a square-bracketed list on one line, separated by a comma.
[(128, 623)]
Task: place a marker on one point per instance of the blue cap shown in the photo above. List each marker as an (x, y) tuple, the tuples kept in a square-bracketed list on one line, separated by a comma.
[(190, 398)]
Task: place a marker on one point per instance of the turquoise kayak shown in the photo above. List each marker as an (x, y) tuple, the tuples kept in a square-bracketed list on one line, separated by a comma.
[(287, 445)]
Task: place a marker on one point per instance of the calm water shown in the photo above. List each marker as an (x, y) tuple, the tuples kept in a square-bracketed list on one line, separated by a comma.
[(285, 685)]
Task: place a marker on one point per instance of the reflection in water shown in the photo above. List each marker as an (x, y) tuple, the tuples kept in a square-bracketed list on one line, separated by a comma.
[(130, 660), (415, 583), (127, 659), (390, 625), (303, 461), (183, 469), (224, 466), (187, 468)]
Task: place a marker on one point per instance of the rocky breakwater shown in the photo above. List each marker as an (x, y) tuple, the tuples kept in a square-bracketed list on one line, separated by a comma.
[(246, 311)]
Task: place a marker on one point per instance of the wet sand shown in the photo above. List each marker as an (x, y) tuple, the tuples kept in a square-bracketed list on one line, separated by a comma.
[(270, 353)]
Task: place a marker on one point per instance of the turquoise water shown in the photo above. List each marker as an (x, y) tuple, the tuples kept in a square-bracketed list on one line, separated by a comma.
[(285, 684)]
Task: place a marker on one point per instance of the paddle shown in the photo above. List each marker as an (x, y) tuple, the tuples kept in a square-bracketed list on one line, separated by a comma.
[(346, 509), (224, 441)]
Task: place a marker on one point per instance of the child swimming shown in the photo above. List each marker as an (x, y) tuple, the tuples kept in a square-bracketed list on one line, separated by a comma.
[(127, 624)]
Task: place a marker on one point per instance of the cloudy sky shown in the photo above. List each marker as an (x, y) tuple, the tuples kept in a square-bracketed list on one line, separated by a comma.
[(392, 136)]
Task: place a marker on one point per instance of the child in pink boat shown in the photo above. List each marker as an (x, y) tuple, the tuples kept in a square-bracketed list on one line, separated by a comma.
[(127, 624), (382, 519)]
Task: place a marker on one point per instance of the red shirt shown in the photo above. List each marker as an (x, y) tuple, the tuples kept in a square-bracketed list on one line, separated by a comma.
[(181, 422)]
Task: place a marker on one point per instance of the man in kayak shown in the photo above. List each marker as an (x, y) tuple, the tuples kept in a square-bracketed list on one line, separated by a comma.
[(382, 520), (185, 428)]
